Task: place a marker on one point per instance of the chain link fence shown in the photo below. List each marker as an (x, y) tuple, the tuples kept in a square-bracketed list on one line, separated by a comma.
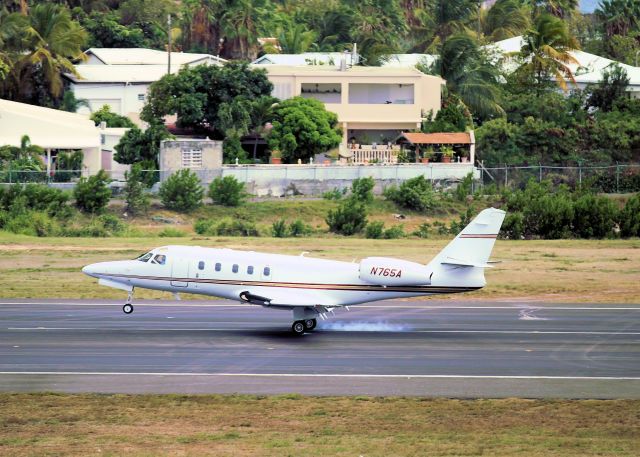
[(620, 178)]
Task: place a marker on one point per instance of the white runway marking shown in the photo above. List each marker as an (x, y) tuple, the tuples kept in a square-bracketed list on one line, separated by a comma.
[(505, 332), (347, 376)]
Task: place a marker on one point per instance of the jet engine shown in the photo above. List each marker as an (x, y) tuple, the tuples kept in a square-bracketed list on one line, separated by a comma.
[(385, 271)]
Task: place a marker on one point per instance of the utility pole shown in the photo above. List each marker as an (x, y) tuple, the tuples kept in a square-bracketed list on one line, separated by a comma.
[(169, 47)]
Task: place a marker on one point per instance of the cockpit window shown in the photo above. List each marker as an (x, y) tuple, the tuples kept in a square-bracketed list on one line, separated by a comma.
[(145, 257), (160, 259)]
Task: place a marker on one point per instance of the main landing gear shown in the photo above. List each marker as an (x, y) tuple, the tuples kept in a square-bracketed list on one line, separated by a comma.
[(128, 307), (301, 326)]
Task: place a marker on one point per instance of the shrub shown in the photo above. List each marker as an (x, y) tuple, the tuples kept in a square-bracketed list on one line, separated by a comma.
[(335, 194), (423, 230), (375, 230), (32, 223), (362, 189), (279, 229), (182, 191), (38, 197), (298, 228), (349, 218), (630, 217), (92, 194), (135, 196), (397, 231), (513, 226), (226, 227), (594, 217), (102, 226), (171, 232), (464, 188), (227, 191), (415, 193)]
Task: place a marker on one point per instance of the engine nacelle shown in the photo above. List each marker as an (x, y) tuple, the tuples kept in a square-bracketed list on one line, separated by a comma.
[(393, 272)]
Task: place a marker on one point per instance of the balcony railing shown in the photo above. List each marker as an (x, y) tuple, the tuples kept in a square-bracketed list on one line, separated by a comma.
[(369, 153)]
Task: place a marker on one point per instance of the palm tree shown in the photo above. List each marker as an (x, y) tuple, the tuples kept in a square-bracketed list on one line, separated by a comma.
[(505, 19), (53, 39), (261, 114), (449, 17), (546, 51), (240, 23), (295, 39), (618, 17), (469, 74)]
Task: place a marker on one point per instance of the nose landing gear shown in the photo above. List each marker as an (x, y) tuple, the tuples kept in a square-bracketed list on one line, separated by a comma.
[(128, 307)]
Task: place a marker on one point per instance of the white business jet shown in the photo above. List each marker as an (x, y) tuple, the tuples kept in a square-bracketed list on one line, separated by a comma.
[(309, 287)]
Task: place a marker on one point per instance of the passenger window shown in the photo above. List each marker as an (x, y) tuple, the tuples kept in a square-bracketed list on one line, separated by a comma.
[(218, 266), (145, 257), (235, 268), (250, 270), (201, 265), (160, 259), (266, 271)]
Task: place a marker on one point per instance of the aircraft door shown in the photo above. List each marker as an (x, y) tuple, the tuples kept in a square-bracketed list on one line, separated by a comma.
[(179, 270)]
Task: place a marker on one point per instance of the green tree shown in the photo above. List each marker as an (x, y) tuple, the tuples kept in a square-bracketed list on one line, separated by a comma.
[(137, 145), (135, 194), (362, 189), (295, 38), (71, 104), (227, 191), (505, 19), (241, 22), (182, 191), (104, 114), (612, 87), (196, 94), (630, 217), (546, 52), (106, 31), (92, 194), (302, 128), (618, 17)]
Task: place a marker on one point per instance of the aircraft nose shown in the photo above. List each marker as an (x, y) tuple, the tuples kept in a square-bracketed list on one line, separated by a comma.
[(90, 270)]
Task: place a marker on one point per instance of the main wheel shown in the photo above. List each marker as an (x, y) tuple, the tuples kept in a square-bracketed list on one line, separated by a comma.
[(127, 308), (298, 327), (310, 324)]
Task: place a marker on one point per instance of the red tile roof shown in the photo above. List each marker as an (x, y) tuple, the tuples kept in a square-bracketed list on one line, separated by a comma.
[(437, 138)]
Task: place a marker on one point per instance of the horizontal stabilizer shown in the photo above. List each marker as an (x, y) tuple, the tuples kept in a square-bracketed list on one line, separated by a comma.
[(466, 263)]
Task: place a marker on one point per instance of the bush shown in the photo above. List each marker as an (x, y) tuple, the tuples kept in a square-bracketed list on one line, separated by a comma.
[(362, 189), (375, 230), (594, 217), (392, 233), (415, 193), (423, 230), (279, 229), (102, 226), (227, 191), (349, 218), (630, 217), (32, 223), (38, 197), (92, 194), (225, 227), (171, 232), (335, 194), (135, 196), (464, 188), (298, 229), (182, 191), (513, 226)]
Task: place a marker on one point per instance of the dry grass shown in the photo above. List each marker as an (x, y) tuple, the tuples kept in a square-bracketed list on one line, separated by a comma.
[(562, 271), (51, 424)]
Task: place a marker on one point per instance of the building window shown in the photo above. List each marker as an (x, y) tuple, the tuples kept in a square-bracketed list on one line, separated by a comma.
[(218, 266), (103, 139), (192, 158), (266, 271), (250, 270), (234, 268), (201, 265), (141, 97)]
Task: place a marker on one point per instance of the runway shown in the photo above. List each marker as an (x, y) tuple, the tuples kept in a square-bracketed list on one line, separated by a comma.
[(414, 348)]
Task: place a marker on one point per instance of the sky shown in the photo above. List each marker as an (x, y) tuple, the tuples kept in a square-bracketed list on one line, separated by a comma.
[(587, 6)]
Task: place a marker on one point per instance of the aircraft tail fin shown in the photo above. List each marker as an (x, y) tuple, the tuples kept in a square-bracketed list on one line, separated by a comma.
[(464, 259)]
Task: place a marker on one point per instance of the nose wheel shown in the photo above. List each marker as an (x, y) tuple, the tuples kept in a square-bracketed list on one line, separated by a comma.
[(128, 307)]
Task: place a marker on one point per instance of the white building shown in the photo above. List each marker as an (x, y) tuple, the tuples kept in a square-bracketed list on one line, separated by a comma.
[(588, 70), (120, 77)]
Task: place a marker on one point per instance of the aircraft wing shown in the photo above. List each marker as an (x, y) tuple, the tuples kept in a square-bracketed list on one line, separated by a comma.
[(283, 298)]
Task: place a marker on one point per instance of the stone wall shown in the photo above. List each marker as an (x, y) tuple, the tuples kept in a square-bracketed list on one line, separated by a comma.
[(172, 157)]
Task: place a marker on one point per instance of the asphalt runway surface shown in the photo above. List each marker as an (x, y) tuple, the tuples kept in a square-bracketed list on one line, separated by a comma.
[(415, 348)]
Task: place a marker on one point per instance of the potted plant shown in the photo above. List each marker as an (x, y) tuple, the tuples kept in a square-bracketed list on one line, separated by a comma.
[(447, 154), (276, 157), (427, 155)]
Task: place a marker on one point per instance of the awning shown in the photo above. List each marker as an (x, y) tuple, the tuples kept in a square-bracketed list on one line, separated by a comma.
[(45, 127)]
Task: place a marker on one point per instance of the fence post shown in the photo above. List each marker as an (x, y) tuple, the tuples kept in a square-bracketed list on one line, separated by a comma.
[(506, 174), (580, 174), (617, 177), (540, 173)]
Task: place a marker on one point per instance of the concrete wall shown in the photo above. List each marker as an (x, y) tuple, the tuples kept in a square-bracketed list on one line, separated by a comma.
[(316, 179)]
